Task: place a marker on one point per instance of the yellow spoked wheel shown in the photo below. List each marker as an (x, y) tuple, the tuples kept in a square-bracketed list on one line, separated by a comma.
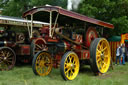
[(69, 66), (42, 63), (100, 55)]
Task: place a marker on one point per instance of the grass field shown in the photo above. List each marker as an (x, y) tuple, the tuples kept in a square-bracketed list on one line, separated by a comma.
[(24, 76)]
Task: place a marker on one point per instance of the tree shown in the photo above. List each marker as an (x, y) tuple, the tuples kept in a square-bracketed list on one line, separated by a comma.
[(15, 7), (113, 11)]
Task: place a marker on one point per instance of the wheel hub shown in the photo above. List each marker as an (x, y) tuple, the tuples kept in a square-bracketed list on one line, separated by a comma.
[(42, 63), (5, 58), (70, 65), (102, 55)]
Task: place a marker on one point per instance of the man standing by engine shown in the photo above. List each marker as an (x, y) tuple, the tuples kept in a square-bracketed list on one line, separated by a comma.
[(118, 55), (123, 50)]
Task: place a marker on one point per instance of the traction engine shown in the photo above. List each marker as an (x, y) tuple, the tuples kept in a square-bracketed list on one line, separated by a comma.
[(70, 40)]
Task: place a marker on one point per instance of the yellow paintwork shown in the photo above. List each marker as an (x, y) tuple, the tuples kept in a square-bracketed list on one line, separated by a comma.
[(43, 64), (124, 37), (71, 66), (103, 56)]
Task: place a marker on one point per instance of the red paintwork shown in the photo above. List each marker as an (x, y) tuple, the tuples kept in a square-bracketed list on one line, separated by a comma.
[(24, 50), (69, 14), (45, 30), (1, 31), (52, 40), (39, 41), (68, 46), (56, 60), (79, 38), (77, 47), (91, 34), (83, 54)]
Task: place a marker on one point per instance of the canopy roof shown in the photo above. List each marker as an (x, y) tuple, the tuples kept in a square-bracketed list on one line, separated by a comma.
[(7, 20), (64, 12)]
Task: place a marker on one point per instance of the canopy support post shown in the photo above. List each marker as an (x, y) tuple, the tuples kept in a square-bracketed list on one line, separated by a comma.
[(28, 27), (50, 28), (31, 25), (55, 24)]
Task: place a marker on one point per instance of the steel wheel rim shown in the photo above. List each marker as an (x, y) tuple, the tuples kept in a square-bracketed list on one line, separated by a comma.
[(103, 56), (7, 59), (43, 64), (71, 66)]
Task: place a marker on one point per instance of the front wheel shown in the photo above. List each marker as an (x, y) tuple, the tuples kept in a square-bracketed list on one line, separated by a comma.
[(100, 55), (69, 66), (42, 63), (7, 58)]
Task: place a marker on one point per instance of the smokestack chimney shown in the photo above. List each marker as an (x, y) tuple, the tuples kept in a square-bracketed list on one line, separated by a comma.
[(73, 4)]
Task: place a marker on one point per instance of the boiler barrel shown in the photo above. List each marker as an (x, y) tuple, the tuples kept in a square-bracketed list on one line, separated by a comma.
[(6, 43), (55, 47)]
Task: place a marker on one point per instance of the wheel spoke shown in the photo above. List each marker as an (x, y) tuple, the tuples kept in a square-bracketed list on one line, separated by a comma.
[(8, 54), (99, 48), (45, 69), (104, 49), (73, 61), (70, 59), (39, 59), (41, 70), (101, 45), (48, 64), (99, 59), (98, 51), (2, 53), (67, 70), (38, 46), (105, 65), (71, 72), (43, 46)]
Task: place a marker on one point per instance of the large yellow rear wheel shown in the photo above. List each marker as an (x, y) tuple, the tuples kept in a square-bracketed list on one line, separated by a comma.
[(42, 63), (69, 66), (100, 55)]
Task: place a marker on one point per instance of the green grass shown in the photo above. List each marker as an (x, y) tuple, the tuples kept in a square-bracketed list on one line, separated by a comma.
[(24, 76)]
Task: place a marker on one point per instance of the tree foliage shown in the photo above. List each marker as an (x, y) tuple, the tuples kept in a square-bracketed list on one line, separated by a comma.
[(17, 7), (113, 11)]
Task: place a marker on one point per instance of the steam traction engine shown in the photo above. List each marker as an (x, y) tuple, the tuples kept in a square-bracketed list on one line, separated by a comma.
[(16, 40), (69, 40)]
